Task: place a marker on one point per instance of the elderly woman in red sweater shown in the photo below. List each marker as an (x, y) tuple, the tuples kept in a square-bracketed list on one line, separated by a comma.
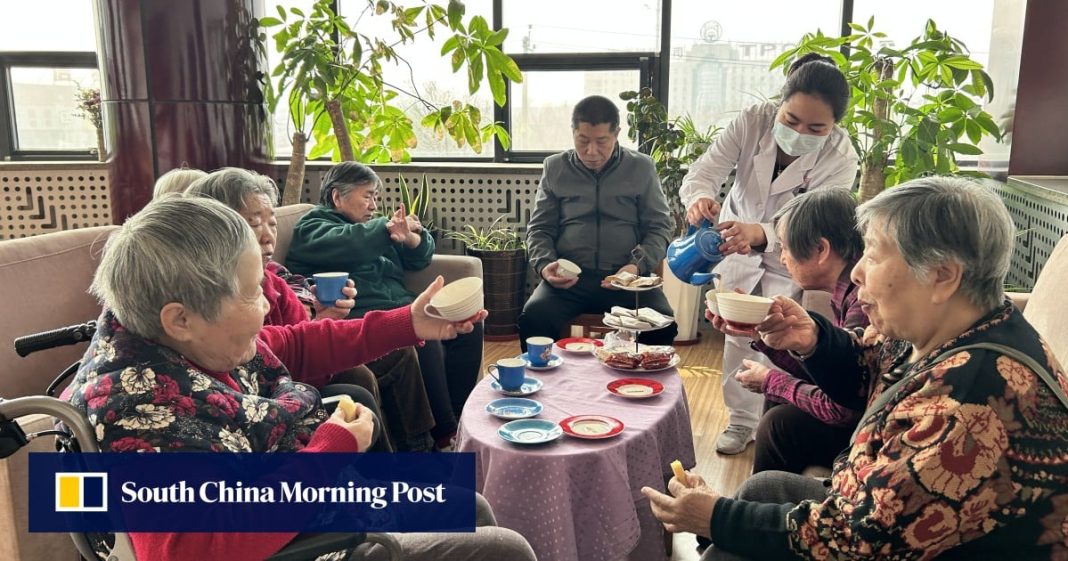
[(403, 398), (181, 361)]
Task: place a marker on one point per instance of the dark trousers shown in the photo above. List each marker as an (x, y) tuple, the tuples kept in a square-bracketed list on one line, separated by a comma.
[(363, 397), (550, 310), (788, 439), (404, 399), (450, 371)]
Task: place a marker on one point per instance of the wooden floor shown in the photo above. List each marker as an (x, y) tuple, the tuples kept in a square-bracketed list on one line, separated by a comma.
[(700, 371)]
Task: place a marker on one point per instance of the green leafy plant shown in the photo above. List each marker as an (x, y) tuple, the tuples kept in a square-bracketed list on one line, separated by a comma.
[(338, 96), (673, 144), (495, 237), (901, 135), (417, 203)]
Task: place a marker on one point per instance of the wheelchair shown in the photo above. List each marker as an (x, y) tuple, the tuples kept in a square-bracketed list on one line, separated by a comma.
[(74, 435)]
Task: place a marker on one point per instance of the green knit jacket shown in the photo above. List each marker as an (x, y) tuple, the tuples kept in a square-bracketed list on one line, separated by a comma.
[(324, 240)]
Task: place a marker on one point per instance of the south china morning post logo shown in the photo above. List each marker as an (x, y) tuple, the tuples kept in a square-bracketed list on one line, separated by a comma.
[(81, 492), (182, 492)]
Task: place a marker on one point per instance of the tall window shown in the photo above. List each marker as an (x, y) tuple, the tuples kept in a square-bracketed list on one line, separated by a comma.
[(721, 49), (707, 58), (992, 31), (424, 72), (40, 75)]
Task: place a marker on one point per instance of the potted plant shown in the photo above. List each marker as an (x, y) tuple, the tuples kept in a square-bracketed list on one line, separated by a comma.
[(900, 135), (338, 96), (416, 202), (673, 144), (89, 108), (503, 252)]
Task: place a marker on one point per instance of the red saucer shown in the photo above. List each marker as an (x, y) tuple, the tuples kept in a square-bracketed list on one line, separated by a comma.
[(591, 427), (579, 345), (635, 388)]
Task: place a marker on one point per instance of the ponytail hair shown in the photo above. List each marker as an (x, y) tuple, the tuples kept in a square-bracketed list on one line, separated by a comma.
[(818, 76)]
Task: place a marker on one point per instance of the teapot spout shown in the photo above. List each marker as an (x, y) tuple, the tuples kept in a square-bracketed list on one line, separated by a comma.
[(699, 279)]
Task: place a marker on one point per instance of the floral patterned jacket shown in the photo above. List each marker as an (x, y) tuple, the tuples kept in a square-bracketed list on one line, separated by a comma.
[(140, 395), (968, 459)]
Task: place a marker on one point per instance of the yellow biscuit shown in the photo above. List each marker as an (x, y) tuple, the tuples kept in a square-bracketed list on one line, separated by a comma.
[(347, 407), (680, 473)]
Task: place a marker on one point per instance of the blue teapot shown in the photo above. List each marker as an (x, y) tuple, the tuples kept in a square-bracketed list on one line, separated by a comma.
[(692, 257)]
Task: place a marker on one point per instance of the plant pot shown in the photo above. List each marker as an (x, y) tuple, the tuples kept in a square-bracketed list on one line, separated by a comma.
[(687, 302), (504, 276), (101, 149)]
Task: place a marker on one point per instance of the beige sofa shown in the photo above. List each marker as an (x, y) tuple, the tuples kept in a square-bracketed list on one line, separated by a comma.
[(1045, 305), (44, 282)]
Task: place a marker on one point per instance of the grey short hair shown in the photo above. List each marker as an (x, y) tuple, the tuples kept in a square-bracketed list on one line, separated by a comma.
[(177, 249), (935, 220), (176, 181), (345, 178), (823, 213), (233, 186)]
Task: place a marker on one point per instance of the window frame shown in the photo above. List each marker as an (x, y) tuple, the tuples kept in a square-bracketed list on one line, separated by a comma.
[(36, 59), (647, 65)]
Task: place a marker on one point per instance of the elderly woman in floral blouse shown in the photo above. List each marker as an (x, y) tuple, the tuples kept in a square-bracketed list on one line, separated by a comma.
[(962, 452), (181, 361)]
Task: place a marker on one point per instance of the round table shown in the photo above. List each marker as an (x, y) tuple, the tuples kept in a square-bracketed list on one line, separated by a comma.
[(576, 499)]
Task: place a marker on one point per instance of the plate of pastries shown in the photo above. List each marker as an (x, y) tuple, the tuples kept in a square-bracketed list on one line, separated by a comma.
[(630, 281), (647, 358)]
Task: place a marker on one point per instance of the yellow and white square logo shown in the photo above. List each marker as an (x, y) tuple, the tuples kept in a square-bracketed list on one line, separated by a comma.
[(81, 492)]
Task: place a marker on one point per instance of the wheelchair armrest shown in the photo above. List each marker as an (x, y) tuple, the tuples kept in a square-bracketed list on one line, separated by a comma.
[(306, 547)]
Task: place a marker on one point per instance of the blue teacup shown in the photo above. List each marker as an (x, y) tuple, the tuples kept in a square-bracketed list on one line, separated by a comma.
[(328, 287), (539, 350), (509, 373)]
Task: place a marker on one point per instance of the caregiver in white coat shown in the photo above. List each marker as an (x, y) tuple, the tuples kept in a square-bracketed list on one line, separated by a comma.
[(778, 150)]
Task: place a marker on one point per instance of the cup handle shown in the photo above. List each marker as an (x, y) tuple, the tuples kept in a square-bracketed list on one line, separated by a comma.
[(492, 374), (433, 312)]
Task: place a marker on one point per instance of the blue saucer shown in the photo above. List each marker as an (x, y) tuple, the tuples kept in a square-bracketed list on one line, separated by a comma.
[(554, 361), (530, 431), (530, 385), (513, 408)]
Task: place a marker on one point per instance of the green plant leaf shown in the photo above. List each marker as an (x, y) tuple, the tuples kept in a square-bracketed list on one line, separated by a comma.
[(455, 14), (962, 63), (474, 72), (269, 22), (963, 148), (450, 44), (497, 87)]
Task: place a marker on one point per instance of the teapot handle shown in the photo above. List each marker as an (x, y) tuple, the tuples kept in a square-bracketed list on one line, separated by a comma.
[(691, 228)]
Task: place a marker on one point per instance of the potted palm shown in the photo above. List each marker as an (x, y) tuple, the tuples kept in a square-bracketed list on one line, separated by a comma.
[(914, 110), (503, 252)]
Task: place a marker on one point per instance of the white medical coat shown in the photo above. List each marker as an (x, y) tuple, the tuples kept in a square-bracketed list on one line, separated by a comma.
[(747, 144)]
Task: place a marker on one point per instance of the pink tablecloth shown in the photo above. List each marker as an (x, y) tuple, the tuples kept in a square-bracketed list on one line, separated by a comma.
[(578, 499)]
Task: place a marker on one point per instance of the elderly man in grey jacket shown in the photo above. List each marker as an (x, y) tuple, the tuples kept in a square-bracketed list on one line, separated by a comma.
[(600, 206)]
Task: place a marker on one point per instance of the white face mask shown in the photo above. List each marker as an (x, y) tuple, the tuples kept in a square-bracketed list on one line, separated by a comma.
[(795, 143)]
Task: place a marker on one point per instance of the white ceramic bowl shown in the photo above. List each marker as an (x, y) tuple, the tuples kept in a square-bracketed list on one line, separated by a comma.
[(458, 300), (458, 294), (568, 269), (742, 310), (710, 301)]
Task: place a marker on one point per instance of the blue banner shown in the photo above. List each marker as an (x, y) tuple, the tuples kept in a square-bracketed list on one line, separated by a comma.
[(280, 492)]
